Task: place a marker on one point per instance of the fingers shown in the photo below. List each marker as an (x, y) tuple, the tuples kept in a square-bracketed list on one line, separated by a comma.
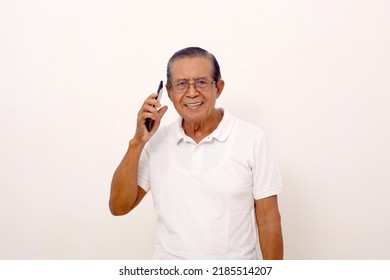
[(149, 108), (156, 123), (151, 100)]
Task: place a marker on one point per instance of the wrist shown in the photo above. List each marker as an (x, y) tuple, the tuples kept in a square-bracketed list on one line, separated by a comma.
[(136, 144)]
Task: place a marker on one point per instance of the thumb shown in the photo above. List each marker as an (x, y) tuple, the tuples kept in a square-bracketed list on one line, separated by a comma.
[(161, 112)]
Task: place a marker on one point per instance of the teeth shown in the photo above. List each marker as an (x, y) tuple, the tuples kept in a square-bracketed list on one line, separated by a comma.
[(193, 104)]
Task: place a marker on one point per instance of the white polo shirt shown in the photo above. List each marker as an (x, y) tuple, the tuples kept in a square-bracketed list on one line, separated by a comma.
[(204, 193)]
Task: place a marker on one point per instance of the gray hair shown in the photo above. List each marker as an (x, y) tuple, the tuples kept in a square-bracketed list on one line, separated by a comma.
[(194, 52)]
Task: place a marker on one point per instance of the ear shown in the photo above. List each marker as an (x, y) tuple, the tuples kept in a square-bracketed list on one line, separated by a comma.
[(169, 91), (219, 85)]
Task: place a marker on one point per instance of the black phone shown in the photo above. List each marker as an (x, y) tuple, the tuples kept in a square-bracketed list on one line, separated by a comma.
[(149, 122)]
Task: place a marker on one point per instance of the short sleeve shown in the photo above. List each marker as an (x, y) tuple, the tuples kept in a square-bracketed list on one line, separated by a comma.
[(267, 180)]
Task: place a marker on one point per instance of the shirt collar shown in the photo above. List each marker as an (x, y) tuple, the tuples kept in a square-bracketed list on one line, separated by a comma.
[(221, 133)]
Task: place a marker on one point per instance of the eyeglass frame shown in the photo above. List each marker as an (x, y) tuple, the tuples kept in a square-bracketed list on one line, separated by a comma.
[(210, 83)]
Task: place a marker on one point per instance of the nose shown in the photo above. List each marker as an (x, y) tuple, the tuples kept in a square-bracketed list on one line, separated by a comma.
[(192, 91)]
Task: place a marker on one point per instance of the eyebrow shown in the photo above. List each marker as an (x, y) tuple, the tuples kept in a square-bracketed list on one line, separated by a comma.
[(200, 78)]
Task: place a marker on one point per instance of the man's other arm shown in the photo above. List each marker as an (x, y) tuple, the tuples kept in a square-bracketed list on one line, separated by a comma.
[(269, 227)]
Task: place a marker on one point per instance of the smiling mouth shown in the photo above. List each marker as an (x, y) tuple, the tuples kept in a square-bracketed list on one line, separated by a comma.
[(193, 105)]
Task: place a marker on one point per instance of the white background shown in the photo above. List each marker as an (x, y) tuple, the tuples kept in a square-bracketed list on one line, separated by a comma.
[(313, 74)]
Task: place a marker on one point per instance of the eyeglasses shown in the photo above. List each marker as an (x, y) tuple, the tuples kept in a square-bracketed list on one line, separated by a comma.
[(200, 85)]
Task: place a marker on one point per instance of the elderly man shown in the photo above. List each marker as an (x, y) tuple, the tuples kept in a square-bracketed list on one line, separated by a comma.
[(213, 180)]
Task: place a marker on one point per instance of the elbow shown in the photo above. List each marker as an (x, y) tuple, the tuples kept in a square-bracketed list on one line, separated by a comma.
[(118, 211)]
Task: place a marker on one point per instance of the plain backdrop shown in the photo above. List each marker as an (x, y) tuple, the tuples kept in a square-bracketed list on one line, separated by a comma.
[(314, 75)]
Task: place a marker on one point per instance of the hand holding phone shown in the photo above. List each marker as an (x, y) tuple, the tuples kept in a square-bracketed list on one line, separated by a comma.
[(149, 122)]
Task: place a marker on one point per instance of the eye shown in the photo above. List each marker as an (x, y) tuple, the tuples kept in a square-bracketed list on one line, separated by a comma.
[(181, 84), (201, 83)]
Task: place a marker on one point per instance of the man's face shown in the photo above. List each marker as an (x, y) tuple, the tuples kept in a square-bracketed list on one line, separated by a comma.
[(194, 105)]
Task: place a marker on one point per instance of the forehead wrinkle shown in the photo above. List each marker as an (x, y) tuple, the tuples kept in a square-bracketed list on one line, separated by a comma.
[(191, 68)]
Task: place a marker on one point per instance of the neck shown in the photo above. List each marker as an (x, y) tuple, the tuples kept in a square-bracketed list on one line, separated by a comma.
[(198, 130)]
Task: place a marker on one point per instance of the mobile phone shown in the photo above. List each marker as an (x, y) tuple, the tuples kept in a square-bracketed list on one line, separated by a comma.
[(149, 122)]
